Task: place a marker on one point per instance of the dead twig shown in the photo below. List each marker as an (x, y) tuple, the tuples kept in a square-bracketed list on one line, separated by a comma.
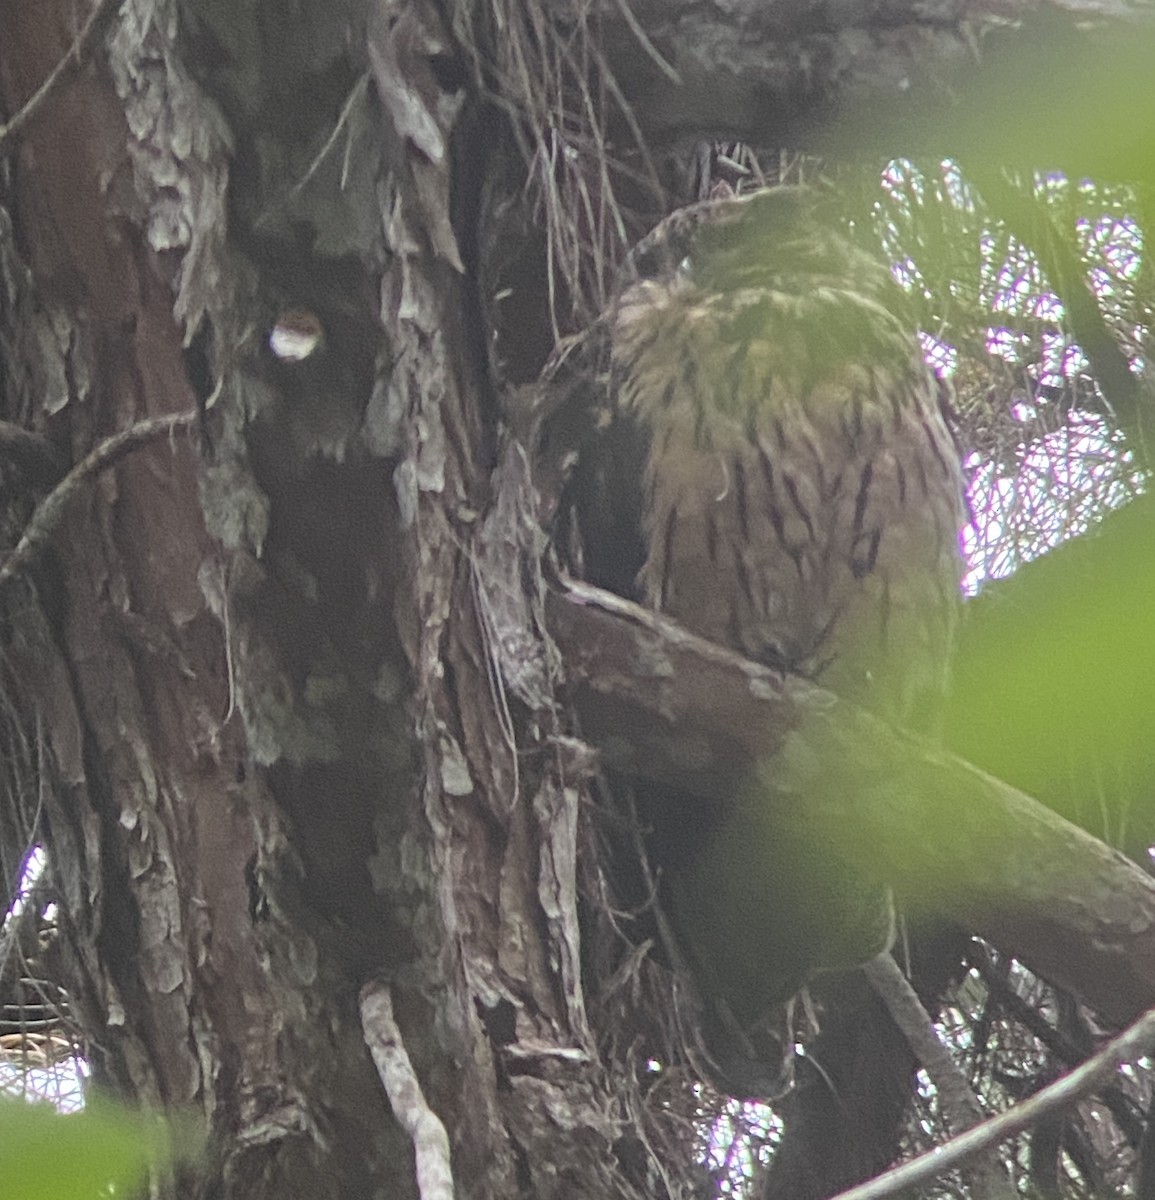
[(49, 513), (1097, 1071), (99, 21), (960, 1105)]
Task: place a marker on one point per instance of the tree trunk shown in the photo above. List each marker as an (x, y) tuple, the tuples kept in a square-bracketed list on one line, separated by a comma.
[(276, 767)]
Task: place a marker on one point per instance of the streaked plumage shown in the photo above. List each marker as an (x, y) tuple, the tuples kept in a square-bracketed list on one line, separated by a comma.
[(802, 495), (781, 443)]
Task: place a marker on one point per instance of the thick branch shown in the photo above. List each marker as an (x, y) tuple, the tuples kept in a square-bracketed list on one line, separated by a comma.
[(665, 705), (775, 74), (956, 842), (1033, 86)]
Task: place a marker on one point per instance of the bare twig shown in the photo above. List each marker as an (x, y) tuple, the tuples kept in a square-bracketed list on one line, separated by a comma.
[(50, 511), (430, 1141), (959, 1103), (99, 20), (356, 94), (1098, 1070), (663, 65)]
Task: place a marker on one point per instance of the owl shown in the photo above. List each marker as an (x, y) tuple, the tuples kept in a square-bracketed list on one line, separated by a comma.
[(802, 493), (780, 478)]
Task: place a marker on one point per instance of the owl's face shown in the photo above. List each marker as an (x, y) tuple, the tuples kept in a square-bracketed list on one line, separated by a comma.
[(771, 277), (787, 237)]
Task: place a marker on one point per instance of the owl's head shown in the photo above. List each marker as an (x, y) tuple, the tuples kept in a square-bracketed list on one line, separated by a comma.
[(791, 240)]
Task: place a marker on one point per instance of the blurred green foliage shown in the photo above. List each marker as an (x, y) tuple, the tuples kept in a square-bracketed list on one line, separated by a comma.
[(102, 1151), (1056, 93), (1054, 686)]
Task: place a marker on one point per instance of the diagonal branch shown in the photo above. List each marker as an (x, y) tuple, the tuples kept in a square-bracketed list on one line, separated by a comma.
[(956, 843), (1080, 1083), (49, 513), (960, 1105), (99, 21)]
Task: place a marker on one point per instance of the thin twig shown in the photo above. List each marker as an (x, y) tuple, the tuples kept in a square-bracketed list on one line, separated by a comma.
[(356, 93), (663, 65), (959, 1103), (1138, 1039), (99, 20), (50, 511), (430, 1141)]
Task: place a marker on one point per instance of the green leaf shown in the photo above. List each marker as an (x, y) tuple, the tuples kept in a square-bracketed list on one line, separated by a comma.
[(82, 1156), (1055, 680)]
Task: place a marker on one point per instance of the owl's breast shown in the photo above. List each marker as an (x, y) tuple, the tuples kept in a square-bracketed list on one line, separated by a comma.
[(804, 515)]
